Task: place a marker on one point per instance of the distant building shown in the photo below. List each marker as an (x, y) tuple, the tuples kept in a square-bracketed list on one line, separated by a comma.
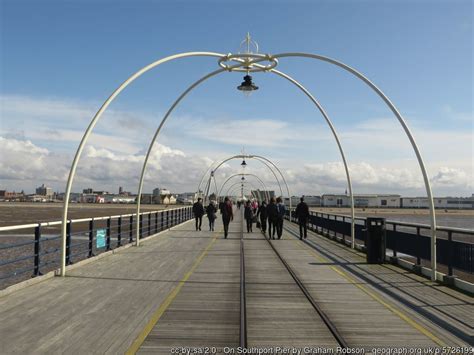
[(161, 195), (88, 190), (45, 191), (186, 198), (11, 196), (119, 199), (439, 202), (312, 201), (368, 200)]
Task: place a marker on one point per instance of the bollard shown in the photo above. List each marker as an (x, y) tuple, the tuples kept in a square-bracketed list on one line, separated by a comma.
[(375, 240)]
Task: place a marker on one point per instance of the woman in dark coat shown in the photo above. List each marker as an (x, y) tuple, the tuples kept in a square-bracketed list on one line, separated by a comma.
[(248, 215), (211, 211)]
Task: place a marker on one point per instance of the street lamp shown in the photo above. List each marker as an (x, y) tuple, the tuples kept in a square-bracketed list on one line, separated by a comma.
[(247, 86)]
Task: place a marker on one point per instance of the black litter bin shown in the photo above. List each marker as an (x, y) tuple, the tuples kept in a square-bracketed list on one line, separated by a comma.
[(375, 240)]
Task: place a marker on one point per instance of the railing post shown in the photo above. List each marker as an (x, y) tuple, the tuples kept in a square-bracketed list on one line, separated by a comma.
[(418, 259), (149, 224), (162, 221), (68, 243), (343, 235), (130, 230), (36, 270), (167, 219), (156, 222), (394, 240), (119, 231), (450, 253), (107, 240), (141, 226), (91, 238)]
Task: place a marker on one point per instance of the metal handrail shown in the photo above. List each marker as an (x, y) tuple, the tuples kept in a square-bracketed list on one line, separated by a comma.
[(408, 224)]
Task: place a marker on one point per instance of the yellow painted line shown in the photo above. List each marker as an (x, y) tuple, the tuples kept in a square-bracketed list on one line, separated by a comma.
[(166, 303), (390, 307)]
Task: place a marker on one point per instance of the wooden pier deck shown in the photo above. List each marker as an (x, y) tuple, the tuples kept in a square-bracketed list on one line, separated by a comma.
[(182, 289)]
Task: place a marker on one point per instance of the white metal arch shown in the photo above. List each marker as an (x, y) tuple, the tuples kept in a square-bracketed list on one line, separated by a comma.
[(408, 133), (259, 58), (244, 174), (263, 160), (91, 126), (246, 185)]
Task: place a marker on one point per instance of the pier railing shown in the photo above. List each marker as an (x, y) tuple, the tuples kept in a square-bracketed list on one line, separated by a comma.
[(455, 245), (38, 251)]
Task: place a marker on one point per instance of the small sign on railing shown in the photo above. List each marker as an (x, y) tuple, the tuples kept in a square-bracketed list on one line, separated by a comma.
[(100, 238)]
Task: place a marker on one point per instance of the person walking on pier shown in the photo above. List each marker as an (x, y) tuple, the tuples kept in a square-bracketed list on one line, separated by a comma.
[(248, 215), (198, 211), (272, 214), (227, 215), (262, 212), (302, 213), (281, 209), (211, 215)]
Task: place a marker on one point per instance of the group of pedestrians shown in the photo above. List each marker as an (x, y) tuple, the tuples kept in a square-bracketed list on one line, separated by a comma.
[(211, 211), (273, 213)]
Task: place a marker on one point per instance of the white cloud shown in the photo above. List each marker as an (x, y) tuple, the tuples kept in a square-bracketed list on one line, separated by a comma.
[(380, 156)]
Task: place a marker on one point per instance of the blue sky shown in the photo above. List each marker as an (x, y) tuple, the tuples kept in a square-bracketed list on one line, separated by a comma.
[(61, 59)]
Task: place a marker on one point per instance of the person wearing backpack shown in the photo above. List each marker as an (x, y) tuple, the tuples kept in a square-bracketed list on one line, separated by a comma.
[(227, 215), (272, 214), (281, 211), (198, 211), (302, 213), (211, 215)]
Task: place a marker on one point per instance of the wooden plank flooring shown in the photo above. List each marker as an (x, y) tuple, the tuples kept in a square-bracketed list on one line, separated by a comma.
[(206, 312), (348, 305), (278, 313), (103, 306)]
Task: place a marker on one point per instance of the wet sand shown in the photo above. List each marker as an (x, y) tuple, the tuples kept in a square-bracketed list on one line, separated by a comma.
[(12, 213)]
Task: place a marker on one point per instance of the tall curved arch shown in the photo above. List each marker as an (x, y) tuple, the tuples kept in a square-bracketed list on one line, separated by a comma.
[(326, 117), (408, 133), (241, 156), (91, 126), (243, 174), (246, 183)]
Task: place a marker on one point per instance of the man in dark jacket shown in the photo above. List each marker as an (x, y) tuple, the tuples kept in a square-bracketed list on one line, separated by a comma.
[(302, 213), (262, 212), (272, 214), (281, 212), (198, 211), (227, 215)]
